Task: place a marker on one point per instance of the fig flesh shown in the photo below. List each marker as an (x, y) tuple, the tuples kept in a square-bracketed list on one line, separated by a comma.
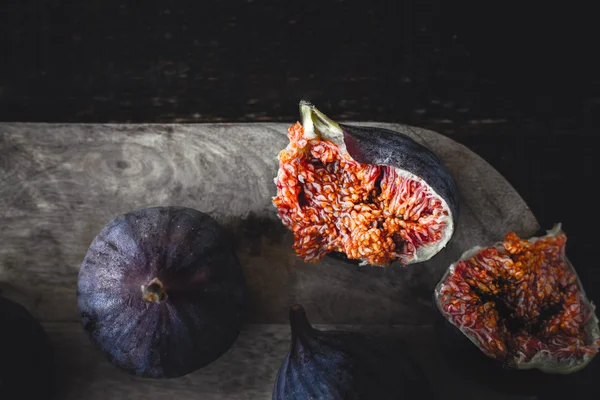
[(520, 306), (161, 292), (27, 357), (338, 365), (371, 195)]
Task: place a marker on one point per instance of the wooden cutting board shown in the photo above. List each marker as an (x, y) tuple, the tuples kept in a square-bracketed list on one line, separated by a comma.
[(61, 183)]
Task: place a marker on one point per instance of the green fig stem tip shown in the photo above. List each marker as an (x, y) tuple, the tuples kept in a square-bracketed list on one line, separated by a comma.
[(154, 292), (316, 123)]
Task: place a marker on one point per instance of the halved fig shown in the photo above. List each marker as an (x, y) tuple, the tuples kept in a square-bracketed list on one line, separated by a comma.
[(518, 307), (368, 194)]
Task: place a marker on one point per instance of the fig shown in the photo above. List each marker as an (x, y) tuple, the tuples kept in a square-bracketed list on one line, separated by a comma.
[(161, 292), (517, 315), (338, 365), (26, 370), (368, 195)]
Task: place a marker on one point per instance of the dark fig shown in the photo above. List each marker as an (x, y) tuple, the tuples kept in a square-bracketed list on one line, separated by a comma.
[(26, 355), (373, 195), (337, 365), (161, 292), (516, 315)]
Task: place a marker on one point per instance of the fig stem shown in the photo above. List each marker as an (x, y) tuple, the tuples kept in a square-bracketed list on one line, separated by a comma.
[(154, 291), (315, 124), (299, 323)]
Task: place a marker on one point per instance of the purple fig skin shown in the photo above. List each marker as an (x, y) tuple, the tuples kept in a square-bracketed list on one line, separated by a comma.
[(397, 150), (378, 146), (338, 365), (27, 357), (188, 318)]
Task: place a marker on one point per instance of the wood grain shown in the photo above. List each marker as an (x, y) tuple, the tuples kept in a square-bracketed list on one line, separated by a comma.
[(61, 183)]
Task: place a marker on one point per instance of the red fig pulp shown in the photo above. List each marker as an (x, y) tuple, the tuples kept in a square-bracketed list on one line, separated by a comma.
[(371, 194), (521, 303)]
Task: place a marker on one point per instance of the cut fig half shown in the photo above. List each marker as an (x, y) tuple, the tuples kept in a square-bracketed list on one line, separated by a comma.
[(521, 305), (370, 195)]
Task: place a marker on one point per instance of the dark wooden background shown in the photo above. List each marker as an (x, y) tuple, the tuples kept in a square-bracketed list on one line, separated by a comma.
[(518, 86)]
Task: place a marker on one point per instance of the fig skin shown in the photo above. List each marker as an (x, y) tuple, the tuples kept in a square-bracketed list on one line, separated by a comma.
[(27, 357), (379, 146), (337, 365), (462, 353), (161, 292)]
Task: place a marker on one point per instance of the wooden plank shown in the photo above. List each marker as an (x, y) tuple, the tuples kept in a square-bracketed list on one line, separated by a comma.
[(246, 372), (60, 183)]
